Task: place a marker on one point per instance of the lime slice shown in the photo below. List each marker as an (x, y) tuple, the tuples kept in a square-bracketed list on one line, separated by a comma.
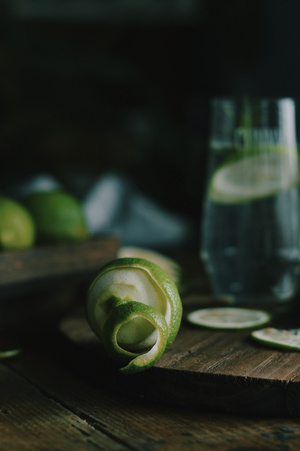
[(254, 177), (135, 308), (166, 263), (228, 318), (278, 338)]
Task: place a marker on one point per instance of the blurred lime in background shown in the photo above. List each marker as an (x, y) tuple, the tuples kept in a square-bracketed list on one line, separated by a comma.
[(58, 216), (17, 227)]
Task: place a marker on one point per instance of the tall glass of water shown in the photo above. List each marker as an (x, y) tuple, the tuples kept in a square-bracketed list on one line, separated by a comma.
[(250, 237)]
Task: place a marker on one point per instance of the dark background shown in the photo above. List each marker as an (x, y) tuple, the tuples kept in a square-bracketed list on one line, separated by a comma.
[(130, 91)]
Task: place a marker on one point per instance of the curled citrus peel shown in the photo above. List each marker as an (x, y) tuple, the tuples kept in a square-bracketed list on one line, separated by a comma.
[(169, 265), (135, 309)]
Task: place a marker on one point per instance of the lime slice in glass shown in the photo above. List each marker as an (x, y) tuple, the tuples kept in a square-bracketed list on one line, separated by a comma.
[(135, 308), (254, 177), (278, 338), (228, 318)]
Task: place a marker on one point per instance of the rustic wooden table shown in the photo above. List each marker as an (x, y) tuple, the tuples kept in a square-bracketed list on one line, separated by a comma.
[(46, 404)]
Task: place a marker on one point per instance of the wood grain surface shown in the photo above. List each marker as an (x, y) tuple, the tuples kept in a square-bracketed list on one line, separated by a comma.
[(62, 393), (41, 266), (45, 406), (38, 282), (219, 370)]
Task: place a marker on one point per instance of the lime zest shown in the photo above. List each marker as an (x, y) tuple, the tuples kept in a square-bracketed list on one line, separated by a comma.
[(228, 318), (278, 338), (169, 265), (123, 313), (134, 307)]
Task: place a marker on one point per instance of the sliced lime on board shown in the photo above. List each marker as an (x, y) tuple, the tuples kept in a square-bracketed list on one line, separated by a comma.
[(228, 318), (253, 177), (278, 338), (135, 308)]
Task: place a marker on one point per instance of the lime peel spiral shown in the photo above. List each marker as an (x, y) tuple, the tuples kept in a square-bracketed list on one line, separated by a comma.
[(134, 307)]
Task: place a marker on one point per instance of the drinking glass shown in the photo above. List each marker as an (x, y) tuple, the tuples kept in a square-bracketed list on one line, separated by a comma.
[(250, 235)]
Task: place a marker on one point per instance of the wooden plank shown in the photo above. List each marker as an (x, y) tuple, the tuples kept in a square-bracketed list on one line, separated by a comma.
[(220, 370), (42, 264), (229, 353), (36, 282), (137, 423), (31, 420), (65, 394)]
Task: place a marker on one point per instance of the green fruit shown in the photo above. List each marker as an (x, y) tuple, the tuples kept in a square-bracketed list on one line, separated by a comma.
[(253, 177), (228, 318), (278, 338), (135, 308), (17, 228), (169, 265), (58, 216)]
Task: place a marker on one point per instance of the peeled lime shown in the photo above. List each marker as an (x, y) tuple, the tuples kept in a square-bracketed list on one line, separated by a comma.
[(17, 228), (169, 265), (228, 318), (135, 308), (254, 177), (58, 216)]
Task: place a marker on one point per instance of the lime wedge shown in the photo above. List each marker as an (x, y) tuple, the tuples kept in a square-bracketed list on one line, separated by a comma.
[(228, 318), (278, 338), (254, 177), (134, 307)]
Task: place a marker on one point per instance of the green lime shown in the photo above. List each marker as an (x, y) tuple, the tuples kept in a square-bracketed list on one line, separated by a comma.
[(134, 307), (169, 265), (278, 338), (17, 228), (58, 216), (254, 177), (228, 318)]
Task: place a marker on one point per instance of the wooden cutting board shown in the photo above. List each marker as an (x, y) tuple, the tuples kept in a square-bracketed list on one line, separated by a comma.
[(27, 270), (33, 281), (209, 369)]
